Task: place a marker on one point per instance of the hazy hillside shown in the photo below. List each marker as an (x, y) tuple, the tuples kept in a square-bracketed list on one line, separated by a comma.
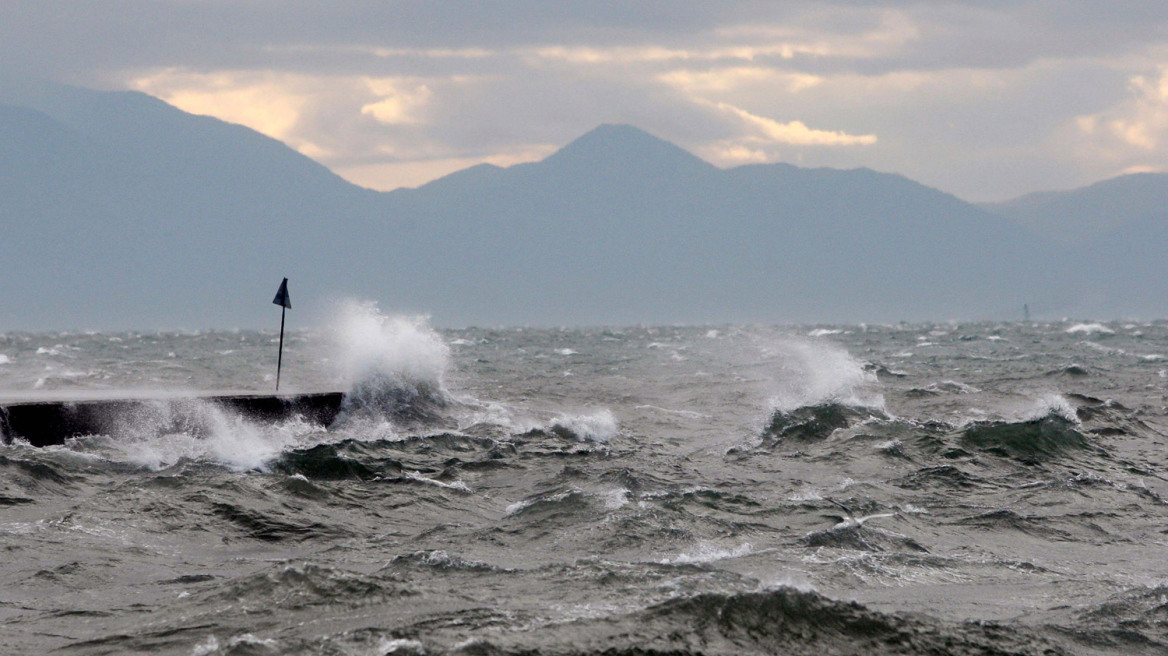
[(119, 210), (622, 227), (1114, 234), (1078, 216)]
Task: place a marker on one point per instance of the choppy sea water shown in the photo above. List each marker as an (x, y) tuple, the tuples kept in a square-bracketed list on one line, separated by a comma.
[(940, 489)]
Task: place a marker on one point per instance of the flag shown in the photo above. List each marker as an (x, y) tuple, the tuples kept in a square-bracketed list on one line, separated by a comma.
[(282, 298)]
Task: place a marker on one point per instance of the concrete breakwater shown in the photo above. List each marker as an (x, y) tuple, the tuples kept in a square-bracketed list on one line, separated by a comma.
[(45, 423)]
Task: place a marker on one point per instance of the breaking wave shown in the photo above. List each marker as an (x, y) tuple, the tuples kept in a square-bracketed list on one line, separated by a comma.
[(816, 422), (394, 367), (1050, 432), (819, 373)]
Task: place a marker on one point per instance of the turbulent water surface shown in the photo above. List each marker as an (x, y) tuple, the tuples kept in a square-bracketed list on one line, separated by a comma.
[(941, 489)]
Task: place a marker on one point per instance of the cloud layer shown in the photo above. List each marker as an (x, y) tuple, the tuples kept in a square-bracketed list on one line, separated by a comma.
[(983, 99)]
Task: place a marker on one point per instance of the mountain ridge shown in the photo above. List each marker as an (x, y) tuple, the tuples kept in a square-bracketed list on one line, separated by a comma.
[(172, 220)]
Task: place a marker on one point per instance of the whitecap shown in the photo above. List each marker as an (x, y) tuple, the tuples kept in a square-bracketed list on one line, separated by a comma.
[(402, 646), (811, 373), (1052, 404), (806, 494), (1090, 329), (708, 552), (456, 485), (600, 426), (615, 499)]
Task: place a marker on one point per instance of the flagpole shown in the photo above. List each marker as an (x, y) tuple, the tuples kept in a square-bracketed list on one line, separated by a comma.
[(284, 302), (280, 358)]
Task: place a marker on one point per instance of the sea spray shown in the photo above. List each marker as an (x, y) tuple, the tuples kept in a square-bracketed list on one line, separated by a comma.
[(394, 366), (599, 426), (165, 432), (817, 373), (818, 389)]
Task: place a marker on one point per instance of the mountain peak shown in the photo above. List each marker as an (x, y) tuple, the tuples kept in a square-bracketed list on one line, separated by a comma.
[(621, 146)]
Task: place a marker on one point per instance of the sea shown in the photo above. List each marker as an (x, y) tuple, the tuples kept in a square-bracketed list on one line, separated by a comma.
[(948, 488)]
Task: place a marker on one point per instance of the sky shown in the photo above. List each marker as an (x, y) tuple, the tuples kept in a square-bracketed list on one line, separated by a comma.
[(987, 100)]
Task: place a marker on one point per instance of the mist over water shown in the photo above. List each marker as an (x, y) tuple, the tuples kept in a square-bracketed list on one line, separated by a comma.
[(895, 489)]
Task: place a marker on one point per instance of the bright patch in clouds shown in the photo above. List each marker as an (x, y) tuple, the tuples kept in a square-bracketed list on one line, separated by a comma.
[(702, 83), (1131, 135), (401, 101), (265, 102), (796, 133), (733, 154), (1143, 120), (385, 176)]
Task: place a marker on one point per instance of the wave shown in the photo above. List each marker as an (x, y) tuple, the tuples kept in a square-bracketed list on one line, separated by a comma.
[(162, 433), (557, 503), (304, 586), (782, 620), (338, 461), (1107, 417), (1008, 520), (394, 367), (34, 477), (439, 560), (943, 387), (818, 373), (1132, 620), (600, 426), (264, 526), (815, 422), (1090, 329), (709, 552), (850, 533), (943, 476), (1032, 441)]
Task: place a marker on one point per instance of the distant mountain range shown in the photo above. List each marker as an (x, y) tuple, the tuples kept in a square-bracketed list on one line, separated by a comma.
[(120, 211)]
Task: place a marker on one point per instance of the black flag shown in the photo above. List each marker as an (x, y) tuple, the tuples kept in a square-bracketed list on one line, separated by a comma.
[(282, 298)]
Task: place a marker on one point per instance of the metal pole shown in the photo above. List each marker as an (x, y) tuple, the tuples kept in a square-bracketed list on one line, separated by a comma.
[(280, 358)]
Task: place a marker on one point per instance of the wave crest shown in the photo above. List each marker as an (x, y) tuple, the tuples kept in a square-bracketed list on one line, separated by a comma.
[(1031, 441), (815, 422), (394, 367)]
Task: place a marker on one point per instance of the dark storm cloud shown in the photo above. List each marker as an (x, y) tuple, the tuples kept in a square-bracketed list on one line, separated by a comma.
[(84, 38)]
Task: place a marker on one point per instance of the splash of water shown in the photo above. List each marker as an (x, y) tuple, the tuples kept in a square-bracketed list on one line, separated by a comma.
[(394, 366), (816, 373), (165, 432), (371, 343), (599, 426)]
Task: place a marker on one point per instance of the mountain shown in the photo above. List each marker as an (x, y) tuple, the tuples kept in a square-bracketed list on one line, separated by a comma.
[(1113, 233), (119, 210), (622, 227), (1077, 217)]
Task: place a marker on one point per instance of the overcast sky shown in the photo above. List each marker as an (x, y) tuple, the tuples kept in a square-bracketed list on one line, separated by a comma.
[(986, 100)]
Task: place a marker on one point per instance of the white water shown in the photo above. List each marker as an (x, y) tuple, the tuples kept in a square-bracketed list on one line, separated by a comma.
[(811, 373)]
